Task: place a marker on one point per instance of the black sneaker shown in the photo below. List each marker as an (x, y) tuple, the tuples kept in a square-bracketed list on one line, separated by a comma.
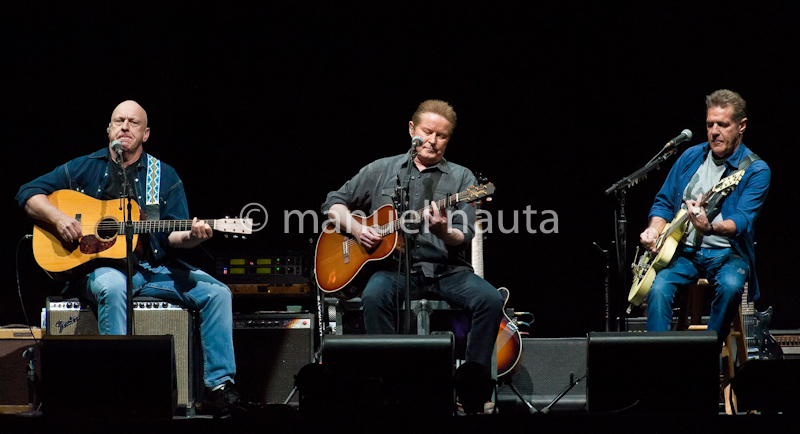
[(221, 400)]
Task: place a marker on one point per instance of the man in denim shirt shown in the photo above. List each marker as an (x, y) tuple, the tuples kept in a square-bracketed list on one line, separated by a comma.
[(719, 244), (98, 175), (438, 254)]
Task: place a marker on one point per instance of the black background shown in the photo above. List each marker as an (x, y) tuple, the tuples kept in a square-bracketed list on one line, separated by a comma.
[(279, 103)]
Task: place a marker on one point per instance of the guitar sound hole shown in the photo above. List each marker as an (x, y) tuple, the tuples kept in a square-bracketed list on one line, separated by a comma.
[(107, 229)]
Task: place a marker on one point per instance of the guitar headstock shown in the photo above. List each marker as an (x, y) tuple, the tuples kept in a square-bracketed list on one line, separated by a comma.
[(476, 192), (234, 225), (728, 183)]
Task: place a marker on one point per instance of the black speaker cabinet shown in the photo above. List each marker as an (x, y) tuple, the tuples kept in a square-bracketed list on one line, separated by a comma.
[(653, 373), (152, 317), (768, 386), (270, 350), (108, 377), (545, 371), (14, 390), (409, 374)]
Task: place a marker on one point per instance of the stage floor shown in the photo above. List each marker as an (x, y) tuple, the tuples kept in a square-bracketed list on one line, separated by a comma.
[(280, 419)]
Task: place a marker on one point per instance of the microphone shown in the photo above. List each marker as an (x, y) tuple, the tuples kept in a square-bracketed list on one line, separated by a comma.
[(116, 146), (416, 141), (680, 138)]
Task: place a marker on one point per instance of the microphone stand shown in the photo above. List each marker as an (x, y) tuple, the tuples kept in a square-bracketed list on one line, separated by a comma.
[(620, 189), (128, 226), (400, 198), (606, 287)]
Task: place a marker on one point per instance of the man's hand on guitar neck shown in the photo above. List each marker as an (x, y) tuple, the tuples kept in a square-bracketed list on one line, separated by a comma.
[(697, 214), (439, 225), (650, 235), (201, 231)]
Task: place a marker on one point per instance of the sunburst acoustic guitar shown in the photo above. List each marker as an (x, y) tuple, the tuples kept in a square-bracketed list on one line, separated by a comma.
[(339, 258)]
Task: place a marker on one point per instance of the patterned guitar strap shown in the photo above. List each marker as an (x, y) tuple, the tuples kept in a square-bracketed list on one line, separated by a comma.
[(153, 187)]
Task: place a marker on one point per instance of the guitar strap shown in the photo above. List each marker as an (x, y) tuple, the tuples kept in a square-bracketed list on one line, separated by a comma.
[(747, 161), (153, 188), (744, 163)]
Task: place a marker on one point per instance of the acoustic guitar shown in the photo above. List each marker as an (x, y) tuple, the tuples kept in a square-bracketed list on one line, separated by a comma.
[(339, 258), (103, 228)]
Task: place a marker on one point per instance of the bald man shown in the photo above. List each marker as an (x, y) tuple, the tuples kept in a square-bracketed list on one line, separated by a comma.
[(158, 273)]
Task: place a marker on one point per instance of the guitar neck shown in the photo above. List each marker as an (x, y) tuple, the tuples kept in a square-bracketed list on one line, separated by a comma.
[(394, 225), (680, 221), (477, 250), (151, 226)]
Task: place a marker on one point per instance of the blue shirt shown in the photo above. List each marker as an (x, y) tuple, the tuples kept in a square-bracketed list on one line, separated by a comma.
[(374, 185), (741, 206), (89, 175)]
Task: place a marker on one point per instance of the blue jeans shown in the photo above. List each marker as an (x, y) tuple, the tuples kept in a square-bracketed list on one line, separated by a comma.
[(724, 267), (464, 290), (107, 287)]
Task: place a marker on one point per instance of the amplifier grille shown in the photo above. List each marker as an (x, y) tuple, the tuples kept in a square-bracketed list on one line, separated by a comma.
[(152, 317), (271, 348)]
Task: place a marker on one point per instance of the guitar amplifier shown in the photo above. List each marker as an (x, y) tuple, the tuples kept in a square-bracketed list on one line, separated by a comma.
[(16, 346), (271, 348), (152, 316)]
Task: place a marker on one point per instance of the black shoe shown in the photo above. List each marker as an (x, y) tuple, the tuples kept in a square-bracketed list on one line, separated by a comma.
[(222, 400)]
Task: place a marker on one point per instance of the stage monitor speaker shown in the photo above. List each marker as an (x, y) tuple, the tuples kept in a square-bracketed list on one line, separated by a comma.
[(408, 374), (768, 386), (14, 388), (152, 317), (653, 373), (543, 373), (108, 377), (271, 348)]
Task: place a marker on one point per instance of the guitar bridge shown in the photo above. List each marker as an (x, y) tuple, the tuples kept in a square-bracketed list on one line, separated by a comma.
[(346, 250)]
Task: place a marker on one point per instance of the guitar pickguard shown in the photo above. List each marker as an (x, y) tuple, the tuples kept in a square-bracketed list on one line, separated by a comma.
[(90, 245)]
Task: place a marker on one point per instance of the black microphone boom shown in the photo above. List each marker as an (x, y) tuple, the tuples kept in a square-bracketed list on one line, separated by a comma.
[(680, 138)]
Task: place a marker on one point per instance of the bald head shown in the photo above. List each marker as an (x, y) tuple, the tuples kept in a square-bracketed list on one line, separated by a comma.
[(130, 106), (129, 126)]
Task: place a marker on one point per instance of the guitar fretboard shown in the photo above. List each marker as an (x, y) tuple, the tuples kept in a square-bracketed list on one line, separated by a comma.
[(395, 225), (151, 226)]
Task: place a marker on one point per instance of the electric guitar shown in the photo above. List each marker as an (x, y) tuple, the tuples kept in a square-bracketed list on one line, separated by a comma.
[(755, 326), (509, 342), (103, 228), (509, 339), (650, 263), (339, 258)]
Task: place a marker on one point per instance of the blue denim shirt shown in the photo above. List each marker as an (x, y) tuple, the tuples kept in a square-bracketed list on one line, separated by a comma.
[(742, 205), (373, 187), (89, 175)]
